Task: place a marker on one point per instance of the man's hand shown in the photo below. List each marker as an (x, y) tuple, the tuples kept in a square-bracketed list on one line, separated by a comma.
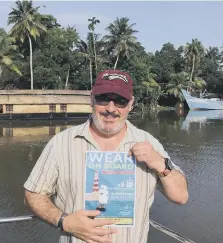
[(144, 152), (80, 225)]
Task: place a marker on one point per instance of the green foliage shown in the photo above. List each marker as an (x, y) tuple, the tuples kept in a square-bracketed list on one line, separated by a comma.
[(211, 69), (194, 51), (8, 54), (168, 61), (199, 83), (26, 24), (92, 24), (61, 60), (178, 81), (53, 72), (26, 21), (120, 40)]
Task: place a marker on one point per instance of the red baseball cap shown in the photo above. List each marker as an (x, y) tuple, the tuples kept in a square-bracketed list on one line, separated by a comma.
[(114, 81)]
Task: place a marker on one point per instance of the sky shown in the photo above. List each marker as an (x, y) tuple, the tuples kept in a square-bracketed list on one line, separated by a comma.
[(157, 22)]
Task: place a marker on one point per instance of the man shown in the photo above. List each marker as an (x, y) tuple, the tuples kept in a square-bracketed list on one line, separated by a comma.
[(59, 172)]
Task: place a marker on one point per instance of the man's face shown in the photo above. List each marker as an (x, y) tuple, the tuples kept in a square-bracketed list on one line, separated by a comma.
[(110, 112)]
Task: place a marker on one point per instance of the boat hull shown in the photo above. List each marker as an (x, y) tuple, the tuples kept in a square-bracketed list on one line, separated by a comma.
[(202, 103)]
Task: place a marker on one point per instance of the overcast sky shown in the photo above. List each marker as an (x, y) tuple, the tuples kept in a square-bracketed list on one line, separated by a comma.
[(157, 22)]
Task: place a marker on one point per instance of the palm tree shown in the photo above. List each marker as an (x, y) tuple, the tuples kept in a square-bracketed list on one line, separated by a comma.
[(120, 40), (213, 54), (199, 84), (26, 25), (91, 27), (84, 50), (193, 53), (8, 53), (178, 81), (102, 57)]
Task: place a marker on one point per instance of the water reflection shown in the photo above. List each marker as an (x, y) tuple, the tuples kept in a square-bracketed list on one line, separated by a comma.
[(201, 117), (21, 129), (197, 149)]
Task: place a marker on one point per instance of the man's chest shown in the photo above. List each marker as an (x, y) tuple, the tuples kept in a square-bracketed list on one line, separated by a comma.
[(72, 176)]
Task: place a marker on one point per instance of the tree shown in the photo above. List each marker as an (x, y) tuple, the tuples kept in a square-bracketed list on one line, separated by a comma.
[(210, 67), (85, 51), (26, 25), (48, 21), (178, 81), (167, 61), (8, 53), (57, 61), (146, 90), (120, 40), (54, 58), (193, 53), (199, 84), (91, 27), (213, 54)]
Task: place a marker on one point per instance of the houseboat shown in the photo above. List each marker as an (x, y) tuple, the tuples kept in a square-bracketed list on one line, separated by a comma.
[(44, 104)]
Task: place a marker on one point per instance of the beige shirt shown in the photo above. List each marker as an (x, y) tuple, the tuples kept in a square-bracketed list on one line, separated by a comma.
[(60, 170)]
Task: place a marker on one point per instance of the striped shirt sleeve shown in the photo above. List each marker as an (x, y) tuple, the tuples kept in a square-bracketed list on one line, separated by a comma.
[(44, 174)]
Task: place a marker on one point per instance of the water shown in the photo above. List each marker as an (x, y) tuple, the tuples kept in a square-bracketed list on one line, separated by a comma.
[(194, 143)]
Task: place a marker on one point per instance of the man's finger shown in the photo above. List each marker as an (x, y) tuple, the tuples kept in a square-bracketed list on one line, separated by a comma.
[(140, 147), (91, 241), (102, 222), (100, 239), (141, 144), (107, 239), (140, 152), (104, 232)]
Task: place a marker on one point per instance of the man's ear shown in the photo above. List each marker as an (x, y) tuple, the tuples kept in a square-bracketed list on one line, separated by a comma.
[(131, 103)]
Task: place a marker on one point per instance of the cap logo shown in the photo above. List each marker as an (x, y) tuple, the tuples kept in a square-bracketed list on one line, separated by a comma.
[(109, 76)]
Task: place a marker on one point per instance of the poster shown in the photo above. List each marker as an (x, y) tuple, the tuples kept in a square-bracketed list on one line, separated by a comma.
[(110, 186)]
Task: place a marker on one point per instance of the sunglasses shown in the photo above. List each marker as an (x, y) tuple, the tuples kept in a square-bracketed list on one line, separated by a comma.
[(118, 101)]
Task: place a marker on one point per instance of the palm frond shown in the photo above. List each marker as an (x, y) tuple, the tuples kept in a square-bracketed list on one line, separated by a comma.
[(26, 21)]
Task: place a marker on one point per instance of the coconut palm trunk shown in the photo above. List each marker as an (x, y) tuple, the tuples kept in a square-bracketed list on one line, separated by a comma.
[(31, 60), (116, 62), (26, 23), (91, 73), (193, 66), (67, 78), (95, 55)]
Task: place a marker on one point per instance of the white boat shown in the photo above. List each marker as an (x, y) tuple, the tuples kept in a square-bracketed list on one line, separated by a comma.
[(195, 103)]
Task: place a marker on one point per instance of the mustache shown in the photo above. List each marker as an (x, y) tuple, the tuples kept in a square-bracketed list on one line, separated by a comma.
[(107, 113)]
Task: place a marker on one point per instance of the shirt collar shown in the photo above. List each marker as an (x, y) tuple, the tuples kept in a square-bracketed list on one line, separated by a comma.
[(84, 131)]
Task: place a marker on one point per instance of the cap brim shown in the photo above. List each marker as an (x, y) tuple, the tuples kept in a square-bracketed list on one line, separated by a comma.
[(103, 89)]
